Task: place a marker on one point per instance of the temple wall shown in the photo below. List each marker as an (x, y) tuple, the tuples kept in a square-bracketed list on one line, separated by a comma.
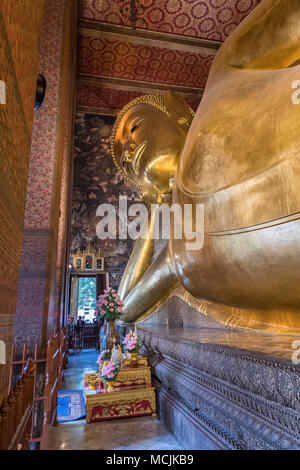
[(43, 262), (97, 181), (20, 26)]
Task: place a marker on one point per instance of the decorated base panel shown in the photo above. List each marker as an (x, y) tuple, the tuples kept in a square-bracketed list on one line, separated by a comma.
[(124, 403), (129, 377)]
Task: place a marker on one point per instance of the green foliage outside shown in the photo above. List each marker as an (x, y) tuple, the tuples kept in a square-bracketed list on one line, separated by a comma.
[(87, 292)]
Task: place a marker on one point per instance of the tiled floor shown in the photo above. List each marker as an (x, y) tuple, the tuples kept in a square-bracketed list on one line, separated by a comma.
[(145, 433)]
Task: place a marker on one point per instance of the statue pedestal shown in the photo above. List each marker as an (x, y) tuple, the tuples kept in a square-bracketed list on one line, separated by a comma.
[(222, 389)]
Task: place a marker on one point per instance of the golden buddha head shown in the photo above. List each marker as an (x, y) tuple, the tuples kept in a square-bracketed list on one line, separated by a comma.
[(147, 140)]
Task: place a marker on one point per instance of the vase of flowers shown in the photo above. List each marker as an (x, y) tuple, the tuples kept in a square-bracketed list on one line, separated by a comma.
[(110, 307), (109, 374), (132, 345)]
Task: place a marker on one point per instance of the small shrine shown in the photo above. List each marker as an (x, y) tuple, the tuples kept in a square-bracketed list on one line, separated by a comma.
[(121, 388), (89, 260)]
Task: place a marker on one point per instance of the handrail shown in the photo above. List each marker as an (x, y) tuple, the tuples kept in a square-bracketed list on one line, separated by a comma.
[(16, 412), (54, 363)]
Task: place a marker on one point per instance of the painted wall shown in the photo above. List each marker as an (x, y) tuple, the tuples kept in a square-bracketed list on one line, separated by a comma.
[(97, 181), (20, 26)]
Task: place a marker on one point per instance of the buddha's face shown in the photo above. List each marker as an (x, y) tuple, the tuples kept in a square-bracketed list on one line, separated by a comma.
[(148, 144)]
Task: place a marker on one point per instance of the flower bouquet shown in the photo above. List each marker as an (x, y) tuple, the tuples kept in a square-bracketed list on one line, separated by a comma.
[(132, 344), (104, 356), (109, 374), (103, 359), (109, 305)]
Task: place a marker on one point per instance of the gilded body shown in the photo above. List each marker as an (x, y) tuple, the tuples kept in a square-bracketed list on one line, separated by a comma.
[(241, 160)]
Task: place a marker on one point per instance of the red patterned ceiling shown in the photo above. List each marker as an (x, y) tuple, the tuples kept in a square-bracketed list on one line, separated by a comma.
[(209, 19), (125, 60), (103, 97), (114, 56), (98, 97)]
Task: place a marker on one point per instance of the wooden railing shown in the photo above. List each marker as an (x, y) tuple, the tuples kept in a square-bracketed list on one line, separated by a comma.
[(55, 363), (51, 374), (16, 412)]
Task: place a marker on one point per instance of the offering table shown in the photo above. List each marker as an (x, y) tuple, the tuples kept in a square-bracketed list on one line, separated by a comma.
[(133, 396)]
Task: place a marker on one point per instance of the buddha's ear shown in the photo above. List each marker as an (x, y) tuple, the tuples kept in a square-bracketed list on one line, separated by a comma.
[(178, 109)]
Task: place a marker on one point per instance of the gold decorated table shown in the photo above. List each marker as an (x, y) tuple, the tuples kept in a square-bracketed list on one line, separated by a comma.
[(132, 396)]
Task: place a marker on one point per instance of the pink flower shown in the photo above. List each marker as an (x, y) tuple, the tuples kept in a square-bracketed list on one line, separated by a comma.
[(111, 304), (108, 369), (105, 302), (130, 345), (111, 309)]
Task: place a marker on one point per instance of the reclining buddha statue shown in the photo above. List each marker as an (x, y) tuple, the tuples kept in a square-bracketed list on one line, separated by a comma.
[(239, 156)]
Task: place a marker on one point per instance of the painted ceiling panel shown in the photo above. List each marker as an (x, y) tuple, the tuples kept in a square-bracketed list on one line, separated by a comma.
[(209, 19), (127, 62), (98, 97), (104, 57), (102, 97)]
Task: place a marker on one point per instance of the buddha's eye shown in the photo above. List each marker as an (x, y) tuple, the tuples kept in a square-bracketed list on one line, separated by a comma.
[(133, 129)]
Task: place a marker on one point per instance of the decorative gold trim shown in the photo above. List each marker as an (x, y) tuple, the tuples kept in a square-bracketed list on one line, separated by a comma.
[(80, 257), (138, 376)]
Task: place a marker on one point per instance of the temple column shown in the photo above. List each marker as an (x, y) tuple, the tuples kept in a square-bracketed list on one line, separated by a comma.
[(74, 297)]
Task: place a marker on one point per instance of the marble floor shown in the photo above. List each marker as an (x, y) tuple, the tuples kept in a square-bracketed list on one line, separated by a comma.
[(144, 433)]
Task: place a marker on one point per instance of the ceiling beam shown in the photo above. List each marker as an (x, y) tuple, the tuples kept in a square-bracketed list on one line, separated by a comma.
[(136, 85), (94, 110), (151, 38)]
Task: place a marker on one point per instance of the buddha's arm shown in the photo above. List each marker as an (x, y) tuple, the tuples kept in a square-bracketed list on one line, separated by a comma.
[(269, 38), (152, 289), (139, 261)]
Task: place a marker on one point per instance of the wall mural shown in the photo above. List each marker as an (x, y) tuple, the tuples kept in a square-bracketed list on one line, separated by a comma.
[(97, 181)]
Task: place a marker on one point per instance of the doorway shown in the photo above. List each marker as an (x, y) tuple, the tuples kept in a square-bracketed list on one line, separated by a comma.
[(84, 292)]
